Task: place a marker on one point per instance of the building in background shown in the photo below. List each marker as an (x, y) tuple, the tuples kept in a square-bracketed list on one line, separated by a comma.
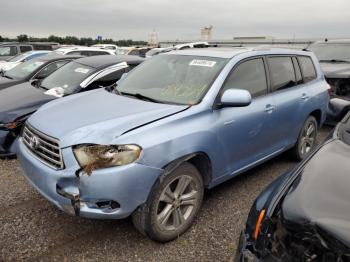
[(206, 33), (153, 39)]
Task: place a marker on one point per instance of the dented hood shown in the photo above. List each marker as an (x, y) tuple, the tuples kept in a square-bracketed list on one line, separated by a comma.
[(96, 117), (320, 196), (7, 82), (336, 70), (20, 100)]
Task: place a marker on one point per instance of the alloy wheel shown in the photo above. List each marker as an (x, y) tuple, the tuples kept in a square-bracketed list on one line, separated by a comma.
[(308, 138), (177, 203)]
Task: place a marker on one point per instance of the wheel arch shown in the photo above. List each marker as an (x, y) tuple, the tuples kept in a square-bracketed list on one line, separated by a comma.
[(318, 115), (199, 159)]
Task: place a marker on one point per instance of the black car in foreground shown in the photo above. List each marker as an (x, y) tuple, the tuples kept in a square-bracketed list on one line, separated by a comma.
[(18, 102), (304, 215), (35, 69)]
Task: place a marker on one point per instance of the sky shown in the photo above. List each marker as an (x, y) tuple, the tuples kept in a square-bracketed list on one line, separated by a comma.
[(176, 19)]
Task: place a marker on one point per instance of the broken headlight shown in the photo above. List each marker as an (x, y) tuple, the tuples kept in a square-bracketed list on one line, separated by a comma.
[(11, 125), (92, 157)]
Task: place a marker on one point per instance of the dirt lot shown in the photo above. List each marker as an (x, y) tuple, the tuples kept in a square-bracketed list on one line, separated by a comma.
[(31, 228)]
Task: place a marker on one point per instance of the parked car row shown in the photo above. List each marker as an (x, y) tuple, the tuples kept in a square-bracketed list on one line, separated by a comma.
[(148, 145), (20, 58), (113, 136), (30, 85), (11, 49)]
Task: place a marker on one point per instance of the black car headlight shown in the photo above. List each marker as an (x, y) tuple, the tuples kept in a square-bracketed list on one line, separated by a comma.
[(92, 157), (11, 125)]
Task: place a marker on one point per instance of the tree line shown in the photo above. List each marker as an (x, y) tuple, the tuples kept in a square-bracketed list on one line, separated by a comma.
[(72, 40)]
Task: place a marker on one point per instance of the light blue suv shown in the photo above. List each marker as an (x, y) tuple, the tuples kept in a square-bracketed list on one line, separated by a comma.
[(179, 123)]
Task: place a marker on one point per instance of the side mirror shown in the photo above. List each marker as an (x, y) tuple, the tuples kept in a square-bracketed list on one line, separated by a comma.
[(35, 82), (235, 98)]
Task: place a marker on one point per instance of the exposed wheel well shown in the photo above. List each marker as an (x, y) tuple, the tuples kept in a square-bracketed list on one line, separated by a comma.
[(318, 115), (199, 159), (202, 162)]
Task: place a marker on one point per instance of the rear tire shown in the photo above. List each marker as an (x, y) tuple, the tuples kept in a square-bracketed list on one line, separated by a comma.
[(307, 139), (172, 204)]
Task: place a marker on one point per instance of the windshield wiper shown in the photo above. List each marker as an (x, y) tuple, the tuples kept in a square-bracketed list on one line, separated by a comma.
[(7, 76), (334, 61), (139, 96)]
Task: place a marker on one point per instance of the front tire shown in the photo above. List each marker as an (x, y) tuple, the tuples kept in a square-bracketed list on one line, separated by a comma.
[(306, 140), (172, 205)]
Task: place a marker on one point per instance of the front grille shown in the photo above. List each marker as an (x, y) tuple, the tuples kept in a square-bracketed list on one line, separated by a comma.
[(44, 147)]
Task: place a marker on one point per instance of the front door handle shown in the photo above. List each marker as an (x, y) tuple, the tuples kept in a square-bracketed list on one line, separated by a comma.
[(304, 96), (269, 108)]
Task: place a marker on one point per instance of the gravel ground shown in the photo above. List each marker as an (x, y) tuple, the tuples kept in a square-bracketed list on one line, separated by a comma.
[(31, 228)]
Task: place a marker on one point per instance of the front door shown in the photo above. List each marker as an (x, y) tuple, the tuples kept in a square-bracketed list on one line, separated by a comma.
[(244, 132)]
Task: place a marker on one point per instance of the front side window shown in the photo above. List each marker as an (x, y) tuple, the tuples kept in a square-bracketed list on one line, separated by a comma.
[(249, 75), (282, 73), (25, 69), (308, 68), (134, 52), (68, 78), (50, 68), (174, 79), (8, 51)]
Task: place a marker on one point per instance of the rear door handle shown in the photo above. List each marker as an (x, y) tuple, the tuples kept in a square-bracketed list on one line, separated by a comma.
[(269, 108), (304, 96)]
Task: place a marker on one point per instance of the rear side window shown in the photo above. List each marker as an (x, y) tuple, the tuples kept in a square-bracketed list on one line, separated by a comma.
[(25, 48), (134, 52), (249, 75), (308, 68), (282, 73), (298, 75), (75, 53), (92, 53)]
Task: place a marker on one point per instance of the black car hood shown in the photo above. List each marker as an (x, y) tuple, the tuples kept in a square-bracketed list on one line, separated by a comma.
[(7, 82), (21, 100), (336, 70), (320, 195)]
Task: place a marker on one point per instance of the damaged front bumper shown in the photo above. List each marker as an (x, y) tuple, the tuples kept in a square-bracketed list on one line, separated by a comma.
[(243, 254), (110, 193)]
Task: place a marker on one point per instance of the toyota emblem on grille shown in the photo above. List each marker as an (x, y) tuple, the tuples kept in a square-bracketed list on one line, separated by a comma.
[(34, 142)]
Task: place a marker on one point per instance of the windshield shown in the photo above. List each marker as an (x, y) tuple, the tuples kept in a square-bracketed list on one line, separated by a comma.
[(68, 78), (173, 78), (331, 51), (24, 70), (17, 58)]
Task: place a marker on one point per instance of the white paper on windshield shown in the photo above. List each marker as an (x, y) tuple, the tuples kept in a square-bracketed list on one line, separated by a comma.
[(82, 70), (56, 92), (206, 63)]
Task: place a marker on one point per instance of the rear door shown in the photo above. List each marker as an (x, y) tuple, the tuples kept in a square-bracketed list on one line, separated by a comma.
[(288, 97)]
